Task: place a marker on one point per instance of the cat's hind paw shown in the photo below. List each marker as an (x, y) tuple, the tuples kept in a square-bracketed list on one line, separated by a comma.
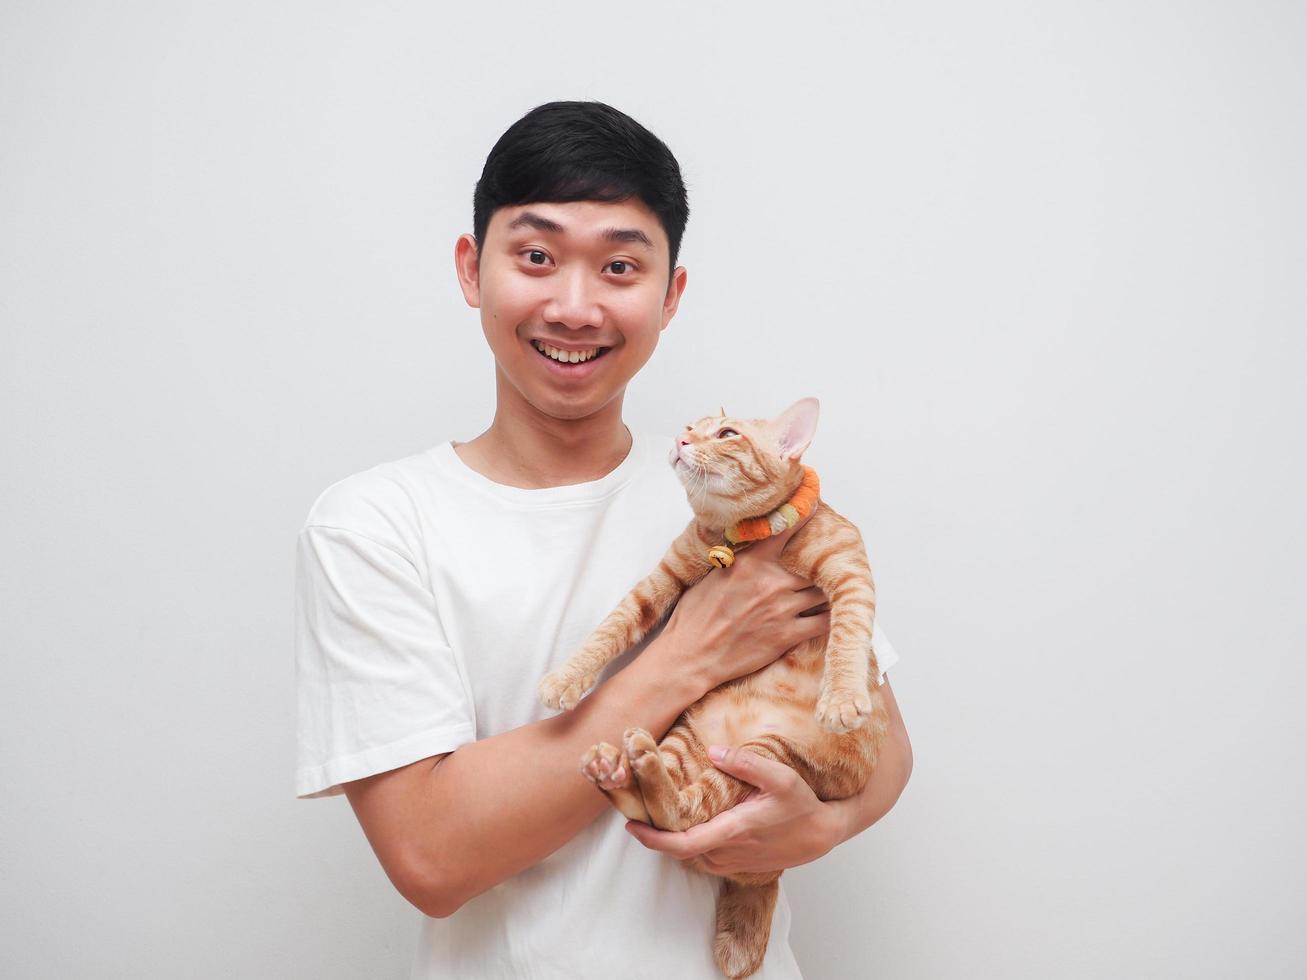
[(606, 767), (563, 691), (843, 711), (642, 750)]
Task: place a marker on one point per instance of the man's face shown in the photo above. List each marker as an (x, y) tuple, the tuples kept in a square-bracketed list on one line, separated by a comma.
[(585, 280)]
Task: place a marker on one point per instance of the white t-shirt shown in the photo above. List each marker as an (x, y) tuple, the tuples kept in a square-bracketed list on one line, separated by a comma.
[(429, 603)]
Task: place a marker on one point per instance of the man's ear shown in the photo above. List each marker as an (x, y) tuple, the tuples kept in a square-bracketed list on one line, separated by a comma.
[(795, 426), (467, 265), (672, 299)]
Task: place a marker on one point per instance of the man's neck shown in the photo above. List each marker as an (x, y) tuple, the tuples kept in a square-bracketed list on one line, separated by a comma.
[(534, 451)]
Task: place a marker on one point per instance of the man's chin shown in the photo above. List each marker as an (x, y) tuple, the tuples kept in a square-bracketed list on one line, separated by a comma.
[(583, 405)]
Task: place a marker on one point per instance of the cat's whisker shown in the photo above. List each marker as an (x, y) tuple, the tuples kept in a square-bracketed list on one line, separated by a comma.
[(696, 485), (701, 488)]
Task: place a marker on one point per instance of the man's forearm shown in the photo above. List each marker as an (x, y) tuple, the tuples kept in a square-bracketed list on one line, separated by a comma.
[(883, 789), (502, 804)]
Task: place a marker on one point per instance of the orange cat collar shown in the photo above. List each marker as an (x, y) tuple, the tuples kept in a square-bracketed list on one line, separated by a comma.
[(781, 519)]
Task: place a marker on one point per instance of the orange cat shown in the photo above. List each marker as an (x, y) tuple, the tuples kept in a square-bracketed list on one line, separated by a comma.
[(818, 708)]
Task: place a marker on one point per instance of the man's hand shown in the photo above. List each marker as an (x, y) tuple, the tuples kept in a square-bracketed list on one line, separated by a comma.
[(780, 824), (739, 619)]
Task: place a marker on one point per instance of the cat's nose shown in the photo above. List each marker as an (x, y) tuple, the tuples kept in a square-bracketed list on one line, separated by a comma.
[(682, 441)]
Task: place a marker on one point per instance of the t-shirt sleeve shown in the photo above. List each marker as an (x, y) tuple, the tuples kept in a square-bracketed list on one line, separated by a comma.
[(886, 655), (378, 686)]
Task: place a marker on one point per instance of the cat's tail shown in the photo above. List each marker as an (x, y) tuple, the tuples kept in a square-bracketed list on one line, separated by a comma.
[(744, 925)]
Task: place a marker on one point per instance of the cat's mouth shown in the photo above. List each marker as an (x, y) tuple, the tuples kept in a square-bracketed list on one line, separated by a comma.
[(698, 479)]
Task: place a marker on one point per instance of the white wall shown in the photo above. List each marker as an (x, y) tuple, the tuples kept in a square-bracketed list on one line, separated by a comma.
[(1043, 263)]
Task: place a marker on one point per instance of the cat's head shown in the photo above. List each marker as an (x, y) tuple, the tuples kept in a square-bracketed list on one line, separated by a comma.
[(733, 468)]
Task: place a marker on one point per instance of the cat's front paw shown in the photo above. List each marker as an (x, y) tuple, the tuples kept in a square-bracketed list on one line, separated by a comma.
[(606, 767), (563, 691), (842, 711)]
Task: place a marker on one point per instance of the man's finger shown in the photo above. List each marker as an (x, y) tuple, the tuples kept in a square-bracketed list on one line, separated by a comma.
[(686, 843), (768, 775)]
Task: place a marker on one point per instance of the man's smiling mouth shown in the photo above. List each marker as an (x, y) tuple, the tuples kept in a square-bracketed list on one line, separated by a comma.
[(569, 357)]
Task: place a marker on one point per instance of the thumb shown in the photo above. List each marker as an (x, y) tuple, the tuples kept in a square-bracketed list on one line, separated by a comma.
[(768, 775)]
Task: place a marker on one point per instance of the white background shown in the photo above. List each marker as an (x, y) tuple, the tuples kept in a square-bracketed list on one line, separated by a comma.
[(1043, 263)]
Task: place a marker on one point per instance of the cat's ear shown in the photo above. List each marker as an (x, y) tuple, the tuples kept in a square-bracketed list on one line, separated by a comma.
[(795, 426)]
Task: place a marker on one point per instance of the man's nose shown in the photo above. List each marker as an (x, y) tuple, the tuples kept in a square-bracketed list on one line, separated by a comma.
[(574, 302)]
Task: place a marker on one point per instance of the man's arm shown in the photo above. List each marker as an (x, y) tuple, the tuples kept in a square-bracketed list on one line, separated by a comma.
[(893, 768), (448, 828)]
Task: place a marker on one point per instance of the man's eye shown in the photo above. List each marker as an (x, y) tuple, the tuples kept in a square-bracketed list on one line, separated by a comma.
[(537, 257), (727, 433), (620, 267)]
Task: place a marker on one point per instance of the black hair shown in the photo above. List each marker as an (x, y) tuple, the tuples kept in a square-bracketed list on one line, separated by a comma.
[(581, 151)]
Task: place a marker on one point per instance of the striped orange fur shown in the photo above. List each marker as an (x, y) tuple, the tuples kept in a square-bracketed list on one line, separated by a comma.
[(817, 709)]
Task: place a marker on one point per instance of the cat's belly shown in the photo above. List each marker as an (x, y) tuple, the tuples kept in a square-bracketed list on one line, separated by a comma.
[(778, 700)]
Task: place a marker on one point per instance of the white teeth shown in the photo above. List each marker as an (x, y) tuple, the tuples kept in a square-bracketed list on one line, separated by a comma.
[(565, 356)]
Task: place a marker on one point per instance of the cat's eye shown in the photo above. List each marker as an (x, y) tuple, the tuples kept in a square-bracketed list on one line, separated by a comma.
[(726, 433)]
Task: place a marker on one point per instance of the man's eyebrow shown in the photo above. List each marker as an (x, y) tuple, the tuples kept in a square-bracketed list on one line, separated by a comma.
[(529, 219), (532, 220), (628, 235)]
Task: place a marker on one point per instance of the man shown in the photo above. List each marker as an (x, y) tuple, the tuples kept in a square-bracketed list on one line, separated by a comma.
[(435, 591)]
